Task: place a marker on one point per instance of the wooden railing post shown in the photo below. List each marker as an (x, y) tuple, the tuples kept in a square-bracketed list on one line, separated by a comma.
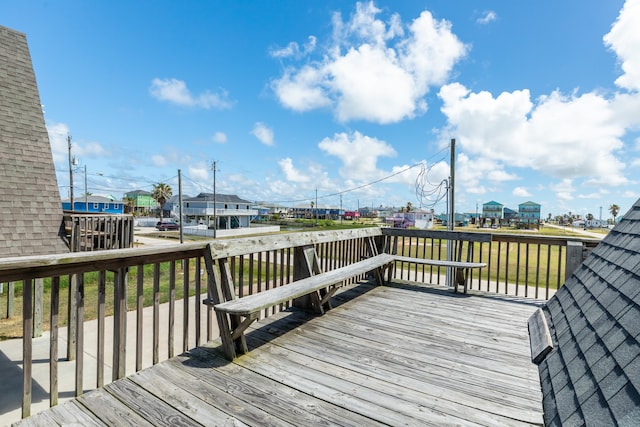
[(119, 324), (574, 258), (38, 307), (11, 299), (71, 317), (27, 349)]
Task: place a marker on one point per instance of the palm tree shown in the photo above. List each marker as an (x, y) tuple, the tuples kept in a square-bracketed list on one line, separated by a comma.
[(129, 204), (161, 193), (614, 209)]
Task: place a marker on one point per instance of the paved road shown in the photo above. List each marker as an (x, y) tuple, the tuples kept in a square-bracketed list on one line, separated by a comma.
[(578, 230)]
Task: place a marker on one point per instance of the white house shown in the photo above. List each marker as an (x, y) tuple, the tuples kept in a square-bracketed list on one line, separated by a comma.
[(417, 219), (230, 211)]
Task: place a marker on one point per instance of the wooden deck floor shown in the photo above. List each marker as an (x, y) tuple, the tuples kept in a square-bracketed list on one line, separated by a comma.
[(395, 355)]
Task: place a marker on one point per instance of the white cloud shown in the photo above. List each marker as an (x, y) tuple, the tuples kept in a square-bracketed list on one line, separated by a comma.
[(58, 140), (521, 192), (263, 133), (219, 137), (487, 17), (624, 40), (291, 173), (176, 92), (159, 160), (564, 189), (563, 136), (358, 153), (372, 71), (200, 173), (58, 133), (293, 49)]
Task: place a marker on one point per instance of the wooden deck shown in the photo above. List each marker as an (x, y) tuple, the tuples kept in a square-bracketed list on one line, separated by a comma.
[(403, 354)]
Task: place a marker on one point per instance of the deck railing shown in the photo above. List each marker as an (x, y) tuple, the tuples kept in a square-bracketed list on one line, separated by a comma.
[(517, 264), (111, 283), (94, 231)]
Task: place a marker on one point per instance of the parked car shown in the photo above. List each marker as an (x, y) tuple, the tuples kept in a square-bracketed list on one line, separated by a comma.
[(167, 225)]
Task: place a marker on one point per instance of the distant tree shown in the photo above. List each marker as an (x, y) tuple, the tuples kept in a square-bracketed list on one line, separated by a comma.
[(161, 193), (409, 207), (614, 209), (589, 217)]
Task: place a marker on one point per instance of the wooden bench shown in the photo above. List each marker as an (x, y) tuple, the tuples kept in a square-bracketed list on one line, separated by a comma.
[(235, 314), (461, 269)]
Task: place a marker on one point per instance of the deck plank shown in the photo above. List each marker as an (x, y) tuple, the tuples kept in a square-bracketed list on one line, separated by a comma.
[(110, 410), (403, 354)]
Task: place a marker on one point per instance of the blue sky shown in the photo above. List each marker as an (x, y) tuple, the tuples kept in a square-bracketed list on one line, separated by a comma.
[(354, 101)]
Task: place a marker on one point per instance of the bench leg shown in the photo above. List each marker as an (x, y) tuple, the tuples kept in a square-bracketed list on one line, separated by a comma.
[(225, 335), (240, 342), (460, 280)]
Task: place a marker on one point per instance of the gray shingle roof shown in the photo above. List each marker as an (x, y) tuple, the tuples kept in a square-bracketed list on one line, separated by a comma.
[(31, 219), (220, 198), (592, 375)]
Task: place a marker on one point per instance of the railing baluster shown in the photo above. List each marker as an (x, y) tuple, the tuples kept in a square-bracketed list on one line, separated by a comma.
[(198, 305), (139, 314), (80, 335), (537, 270), (102, 285), (526, 271), (120, 324), (53, 340), (27, 345), (156, 313), (506, 271), (172, 307), (185, 304), (548, 271), (517, 267)]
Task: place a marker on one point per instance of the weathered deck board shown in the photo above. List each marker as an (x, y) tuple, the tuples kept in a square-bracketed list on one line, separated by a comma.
[(394, 355)]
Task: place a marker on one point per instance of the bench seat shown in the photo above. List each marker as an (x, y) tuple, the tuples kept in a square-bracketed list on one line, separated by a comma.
[(247, 305)]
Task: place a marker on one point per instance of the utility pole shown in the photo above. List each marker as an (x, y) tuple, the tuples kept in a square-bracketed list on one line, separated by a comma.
[(341, 213), (215, 225), (452, 180), (452, 213), (70, 172), (316, 207), (86, 190)]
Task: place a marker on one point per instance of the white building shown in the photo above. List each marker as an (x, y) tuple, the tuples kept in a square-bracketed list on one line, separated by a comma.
[(230, 211), (417, 219)]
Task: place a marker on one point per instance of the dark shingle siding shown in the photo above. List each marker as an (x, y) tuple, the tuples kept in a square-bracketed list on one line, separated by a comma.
[(31, 207), (592, 376)]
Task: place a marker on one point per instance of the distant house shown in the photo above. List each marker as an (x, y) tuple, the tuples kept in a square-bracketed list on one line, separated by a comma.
[(320, 212), (492, 210), (529, 213), (230, 211), (94, 204), (417, 219), (509, 214), (143, 202), (355, 215), (461, 220)]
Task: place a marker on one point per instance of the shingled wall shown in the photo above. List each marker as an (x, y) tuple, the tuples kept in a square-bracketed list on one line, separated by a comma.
[(30, 206), (592, 375)]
